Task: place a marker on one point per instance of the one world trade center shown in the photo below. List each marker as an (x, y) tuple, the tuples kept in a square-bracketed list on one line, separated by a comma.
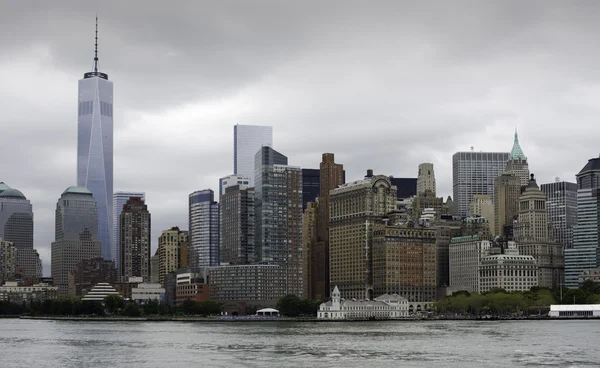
[(95, 145)]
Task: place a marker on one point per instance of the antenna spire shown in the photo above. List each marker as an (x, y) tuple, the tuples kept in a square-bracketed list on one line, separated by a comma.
[(96, 50)]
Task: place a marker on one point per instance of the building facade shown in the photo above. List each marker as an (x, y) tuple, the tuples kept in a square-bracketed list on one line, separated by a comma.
[(90, 272), (383, 307), (231, 181), (474, 173), (561, 203), (118, 201), (76, 235), (406, 187), (507, 189), (16, 293), (466, 253), (507, 269), (311, 179), (204, 229), (135, 248), (237, 223), (8, 261), (517, 163), (482, 206), (171, 246), (309, 250), (259, 284), (247, 140), (426, 179)]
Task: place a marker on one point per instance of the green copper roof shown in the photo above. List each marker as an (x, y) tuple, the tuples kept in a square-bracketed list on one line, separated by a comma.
[(76, 190), (516, 152), (3, 187)]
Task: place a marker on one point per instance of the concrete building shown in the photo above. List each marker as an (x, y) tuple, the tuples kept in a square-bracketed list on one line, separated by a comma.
[(404, 262), (507, 269), (592, 275), (90, 272), (118, 201), (482, 206), (204, 229), (232, 180), (247, 140), (383, 307), (507, 189), (148, 291), (311, 179), (517, 163), (474, 173), (425, 200), (585, 254), (258, 284), (465, 256), (355, 209), (561, 203), (309, 250), (446, 228), (278, 215), (76, 237), (16, 293), (575, 311), (237, 224), (426, 179), (16, 226), (171, 246), (8, 261), (135, 247)]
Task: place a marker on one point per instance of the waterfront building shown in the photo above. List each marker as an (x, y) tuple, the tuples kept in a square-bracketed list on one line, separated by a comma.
[(406, 187), (404, 262), (258, 284), (383, 307), (309, 250), (585, 254), (228, 181), (426, 179), (465, 254), (507, 189), (311, 179), (278, 215), (446, 228), (507, 269), (99, 292), (247, 140), (191, 284), (95, 146), (561, 203), (237, 224), (135, 247), (8, 261), (172, 244), (16, 226), (14, 292), (574, 311), (517, 163), (355, 209), (118, 201), (482, 206), (76, 236), (148, 291), (204, 229), (474, 173), (124, 288), (90, 272)]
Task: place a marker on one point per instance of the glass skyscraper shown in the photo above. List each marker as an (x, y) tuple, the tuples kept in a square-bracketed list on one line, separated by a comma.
[(247, 139), (95, 146), (204, 229), (119, 199), (561, 202)]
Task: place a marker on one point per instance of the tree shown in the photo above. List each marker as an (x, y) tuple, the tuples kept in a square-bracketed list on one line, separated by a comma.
[(113, 303), (289, 306), (131, 310)]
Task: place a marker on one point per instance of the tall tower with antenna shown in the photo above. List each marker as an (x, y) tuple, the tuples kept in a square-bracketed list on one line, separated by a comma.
[(95, 145)]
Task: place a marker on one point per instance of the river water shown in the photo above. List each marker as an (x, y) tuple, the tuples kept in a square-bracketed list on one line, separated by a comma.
[(464, 344)]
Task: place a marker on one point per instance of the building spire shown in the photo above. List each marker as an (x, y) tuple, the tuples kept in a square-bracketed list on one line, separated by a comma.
[(96, 49), (516, 152)]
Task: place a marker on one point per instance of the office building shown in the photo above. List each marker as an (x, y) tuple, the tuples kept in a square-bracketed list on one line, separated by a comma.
[(16, 226), (14, 292), (426, 179), (237, 222), (118, 200), (474, 173), (482, 206), (204, 229), (76, 236), (135, 228), (8, 261), (309, 251), (247, 140), (278, 209), (561, 203), (407, 187), (90, 272), (355, 209), (507, 189), (172, 252), (585, 254), (504, 268), (517, 163), (232, 180), (465, 256), (148, 291), (310, 186), (257, 284), (446, 228), (95, 146)]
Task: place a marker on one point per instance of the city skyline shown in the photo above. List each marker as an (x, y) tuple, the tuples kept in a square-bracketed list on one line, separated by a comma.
[(273, 87)]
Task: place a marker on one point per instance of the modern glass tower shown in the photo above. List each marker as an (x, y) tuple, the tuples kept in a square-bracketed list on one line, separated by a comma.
[(95, 146), (247, 139), (119, 199), (204, 229)]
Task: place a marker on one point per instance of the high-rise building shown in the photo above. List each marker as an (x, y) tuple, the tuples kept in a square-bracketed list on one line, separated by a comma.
[(172, 244), (204, 229), (135, 228), (119, 199), (446, 229), (535, 238), (278, 209), (232, 180), (237, 224), (310, 186), (95, 146), (474, 173), (76, 237), (407, 187), (247, 140), (355, 208), (585, 254), (466, 253), (482, 206), (16, 226), (517, 163), (309, 256), (426, 179), (8, 261), (90, 272), (561, 203), (507, 189)]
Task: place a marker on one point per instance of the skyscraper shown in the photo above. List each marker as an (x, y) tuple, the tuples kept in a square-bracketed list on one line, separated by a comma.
[(118, 200), (95, 146), (310, 186), (474, 173), (507, 189), (231, 180), (135, 229), (204, 229), (247, 139), (237, 224), (278, 208), (585, 254), (426, 179), (561, 203), (76, 237), (16, 226), (172, 244), (517, 163)]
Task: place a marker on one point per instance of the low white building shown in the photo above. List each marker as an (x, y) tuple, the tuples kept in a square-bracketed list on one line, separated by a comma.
[(509, 271), (100, 291), (148, 291), (383, 307), (574, 310)]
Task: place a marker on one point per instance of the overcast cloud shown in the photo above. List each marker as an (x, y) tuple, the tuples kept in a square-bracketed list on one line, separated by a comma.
[(383, 85)]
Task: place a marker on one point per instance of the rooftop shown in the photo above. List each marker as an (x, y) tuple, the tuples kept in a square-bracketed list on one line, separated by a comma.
[(516, 152), (12, 193), (593, 164), (77, 190)]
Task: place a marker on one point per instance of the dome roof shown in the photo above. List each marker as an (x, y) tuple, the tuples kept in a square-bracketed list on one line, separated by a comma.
[(12, 193), (3, 187), (77, 190)]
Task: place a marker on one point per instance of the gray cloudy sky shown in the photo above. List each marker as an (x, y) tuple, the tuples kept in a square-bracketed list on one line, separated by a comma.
[(382, 84)]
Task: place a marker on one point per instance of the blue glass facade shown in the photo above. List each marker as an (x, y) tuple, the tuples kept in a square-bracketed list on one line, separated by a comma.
[(204, 229), (247, 140), (95, 150)]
